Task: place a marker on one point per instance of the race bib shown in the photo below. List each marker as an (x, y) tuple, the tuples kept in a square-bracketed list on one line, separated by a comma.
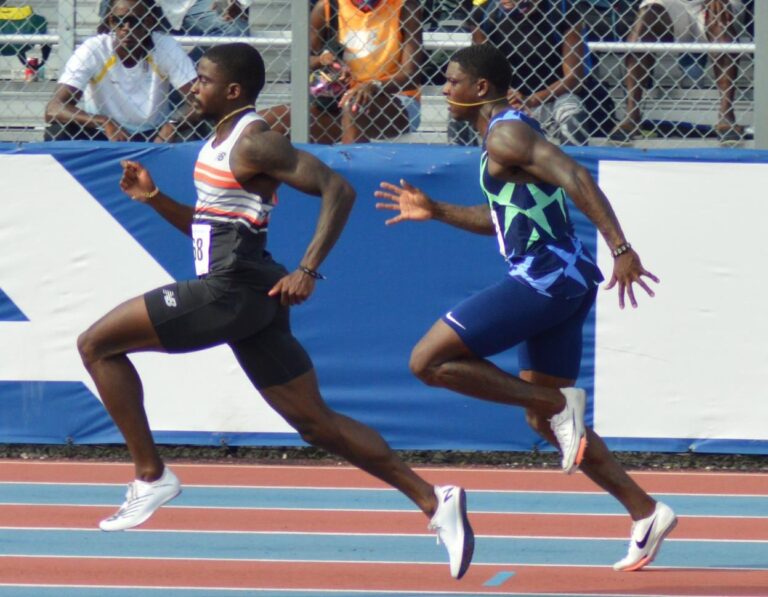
[(201, 247)]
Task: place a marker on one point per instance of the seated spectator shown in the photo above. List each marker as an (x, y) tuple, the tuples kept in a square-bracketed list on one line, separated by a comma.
[(226, 18), (376, 47), (682, 21), (445, 15), (544, 42), (123, 79)]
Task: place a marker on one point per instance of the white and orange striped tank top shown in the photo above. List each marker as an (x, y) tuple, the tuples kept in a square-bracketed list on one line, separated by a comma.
[(220, 198), (227, 217)]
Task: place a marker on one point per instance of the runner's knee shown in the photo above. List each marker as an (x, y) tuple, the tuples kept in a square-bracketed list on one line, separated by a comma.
[(88, 347), (423, 365), (321, 432)]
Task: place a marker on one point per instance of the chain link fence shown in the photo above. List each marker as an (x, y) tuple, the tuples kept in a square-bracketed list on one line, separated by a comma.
[(666, 73)]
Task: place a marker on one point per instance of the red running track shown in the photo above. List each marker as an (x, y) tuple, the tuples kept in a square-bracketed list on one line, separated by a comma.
[(22, 471), (404, 579), (308, 521)]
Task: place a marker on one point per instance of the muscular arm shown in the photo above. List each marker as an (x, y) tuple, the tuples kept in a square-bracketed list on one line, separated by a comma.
[(273, 155), (475, 218), (137, 183), (572, 69), (412, 54), (337, 196), (515, 145), (177, 214), (62, 108), (318, 31)]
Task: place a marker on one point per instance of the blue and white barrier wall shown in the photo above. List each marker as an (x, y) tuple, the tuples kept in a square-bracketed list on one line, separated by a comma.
[(685, 371)]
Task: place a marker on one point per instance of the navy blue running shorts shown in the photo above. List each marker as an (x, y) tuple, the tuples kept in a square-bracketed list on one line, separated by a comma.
[(197, 314), (548, 329)]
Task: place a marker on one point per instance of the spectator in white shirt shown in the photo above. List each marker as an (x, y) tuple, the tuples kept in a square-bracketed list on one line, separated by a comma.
[(702, 21), (116, 85)]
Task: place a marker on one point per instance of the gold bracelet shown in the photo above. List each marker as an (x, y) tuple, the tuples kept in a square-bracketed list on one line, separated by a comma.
[(152, 194)]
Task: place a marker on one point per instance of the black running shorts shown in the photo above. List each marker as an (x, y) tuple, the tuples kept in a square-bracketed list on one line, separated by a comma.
[(197, 314)]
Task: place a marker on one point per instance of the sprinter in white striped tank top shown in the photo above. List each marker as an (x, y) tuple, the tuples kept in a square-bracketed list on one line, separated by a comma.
[(241, 298)]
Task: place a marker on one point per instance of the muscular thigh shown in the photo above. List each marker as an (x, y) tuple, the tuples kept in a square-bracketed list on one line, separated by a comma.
[(505, 315), (126, 328), (272, 356), (556, 351), (196, 314)]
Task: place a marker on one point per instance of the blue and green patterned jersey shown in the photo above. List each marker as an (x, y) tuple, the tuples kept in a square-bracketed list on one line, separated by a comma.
[(534, 230)]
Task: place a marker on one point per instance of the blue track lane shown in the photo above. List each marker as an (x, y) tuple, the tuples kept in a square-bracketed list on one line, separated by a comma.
[(357, 499), (385, 548)]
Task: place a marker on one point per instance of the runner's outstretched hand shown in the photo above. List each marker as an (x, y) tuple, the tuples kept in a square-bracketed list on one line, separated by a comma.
[(412, 203), (628, 270)]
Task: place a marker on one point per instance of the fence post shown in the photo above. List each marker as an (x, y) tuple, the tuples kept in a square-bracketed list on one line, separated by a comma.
[(760, 82), (299, 72), (66, 27)]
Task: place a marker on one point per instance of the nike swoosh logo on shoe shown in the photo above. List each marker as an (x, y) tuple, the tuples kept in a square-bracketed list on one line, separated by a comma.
[(641, 544)]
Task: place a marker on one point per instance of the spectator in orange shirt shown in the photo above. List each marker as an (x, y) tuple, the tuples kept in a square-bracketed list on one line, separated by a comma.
[(370, 52)]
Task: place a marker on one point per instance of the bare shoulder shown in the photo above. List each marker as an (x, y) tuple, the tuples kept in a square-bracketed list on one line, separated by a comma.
[(264, 149), (511, 143), (516, 147)]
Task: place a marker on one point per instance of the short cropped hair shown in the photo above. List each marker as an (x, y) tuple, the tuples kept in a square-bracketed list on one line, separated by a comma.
[(241, 63), (152, 9), (485, 61)]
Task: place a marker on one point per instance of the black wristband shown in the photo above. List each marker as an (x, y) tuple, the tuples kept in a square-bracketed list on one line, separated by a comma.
[(621, 249), (312, 273)]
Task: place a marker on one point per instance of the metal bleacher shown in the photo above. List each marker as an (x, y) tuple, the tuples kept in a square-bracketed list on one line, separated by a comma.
[(22, 103)]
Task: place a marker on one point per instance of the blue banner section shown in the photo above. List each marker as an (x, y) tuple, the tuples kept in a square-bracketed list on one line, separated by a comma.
[(9, 311), (53, 413), (386, 286)]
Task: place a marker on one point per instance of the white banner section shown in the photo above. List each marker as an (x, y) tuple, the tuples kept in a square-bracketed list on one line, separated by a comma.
[(66, 262), (692, 362)]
